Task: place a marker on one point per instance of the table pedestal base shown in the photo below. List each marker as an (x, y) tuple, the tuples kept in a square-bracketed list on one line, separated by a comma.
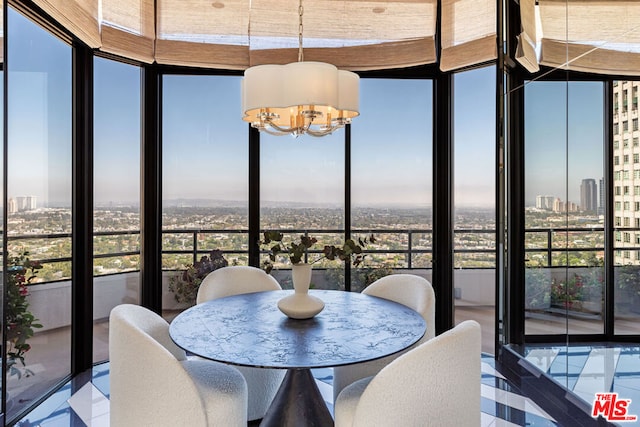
[(298, 403)]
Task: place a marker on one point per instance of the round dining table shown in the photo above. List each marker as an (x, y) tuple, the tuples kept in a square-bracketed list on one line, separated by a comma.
[(249, 330)]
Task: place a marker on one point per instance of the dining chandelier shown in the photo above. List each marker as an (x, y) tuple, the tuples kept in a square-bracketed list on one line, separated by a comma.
[(313, 98)]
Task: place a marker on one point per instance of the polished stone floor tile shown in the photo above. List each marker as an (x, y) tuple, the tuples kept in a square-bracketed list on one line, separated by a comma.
[(502, 404), (584, 370)]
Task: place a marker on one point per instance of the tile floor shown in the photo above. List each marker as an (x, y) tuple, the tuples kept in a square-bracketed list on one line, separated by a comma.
[(589, 369), (81, 403)]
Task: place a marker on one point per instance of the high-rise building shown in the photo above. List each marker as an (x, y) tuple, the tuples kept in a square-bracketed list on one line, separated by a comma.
[(626, 171), (25, 203), (12, 207), (601, 197), (539, 202), (558, 205), (544, 202), (589, 195), (21, 203), (31, 203)]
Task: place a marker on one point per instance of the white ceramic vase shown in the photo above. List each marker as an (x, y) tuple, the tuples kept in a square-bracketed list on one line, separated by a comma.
[(301, 276), (301, 305)]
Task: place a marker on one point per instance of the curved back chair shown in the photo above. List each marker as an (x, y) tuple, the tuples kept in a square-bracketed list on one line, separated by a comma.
[(434, 384), (234, 280), (408, 289), (262, 384), (153, 382)]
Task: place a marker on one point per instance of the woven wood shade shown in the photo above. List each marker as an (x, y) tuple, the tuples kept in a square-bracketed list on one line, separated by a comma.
[(600, 36), (595, 36), (236, 34), (78, 16), (526, 54), (468, 33), (128, 28), (203, 33), (354, 35)]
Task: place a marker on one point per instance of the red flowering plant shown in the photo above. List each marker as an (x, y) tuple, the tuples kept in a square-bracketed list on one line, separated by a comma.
[(21, 272), (568, 295)]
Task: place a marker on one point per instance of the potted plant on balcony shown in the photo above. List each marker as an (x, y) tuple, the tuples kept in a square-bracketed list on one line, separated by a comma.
[(186, 283), (537, 294), (568, 294), (627, 290), (21, 322)]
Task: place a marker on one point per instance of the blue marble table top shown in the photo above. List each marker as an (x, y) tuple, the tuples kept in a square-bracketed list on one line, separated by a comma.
[(249, 330)]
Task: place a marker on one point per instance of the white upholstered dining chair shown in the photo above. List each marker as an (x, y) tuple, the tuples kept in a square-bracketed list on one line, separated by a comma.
[(408, 289), (153, 383), (262, 384), (436, 384)]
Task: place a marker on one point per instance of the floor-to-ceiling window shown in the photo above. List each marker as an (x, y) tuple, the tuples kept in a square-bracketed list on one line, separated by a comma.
[(564, 222), (204, 181), (116, 194), (39, 210), (474, 200), (391, 176), (3, 276), (302, 192)]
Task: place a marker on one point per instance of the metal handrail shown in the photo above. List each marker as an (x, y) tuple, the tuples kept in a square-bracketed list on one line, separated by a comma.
[(410, 250)]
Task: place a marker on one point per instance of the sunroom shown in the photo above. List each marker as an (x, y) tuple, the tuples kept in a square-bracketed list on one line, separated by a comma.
[(494, 153)]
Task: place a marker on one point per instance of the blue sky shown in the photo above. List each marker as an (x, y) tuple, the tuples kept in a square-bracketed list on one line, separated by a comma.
[(116, 131), (562, 149), (474, 137), (205, 141), (39, 136)]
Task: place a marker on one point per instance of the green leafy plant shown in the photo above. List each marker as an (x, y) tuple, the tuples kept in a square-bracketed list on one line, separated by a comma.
[(360, 278), (21, 272), (628, 278), (186, 283), (627, 289), (537, 289), (296, 248)]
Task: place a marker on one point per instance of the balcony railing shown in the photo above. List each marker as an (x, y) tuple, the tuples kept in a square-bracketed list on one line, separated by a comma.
[(475, 248)]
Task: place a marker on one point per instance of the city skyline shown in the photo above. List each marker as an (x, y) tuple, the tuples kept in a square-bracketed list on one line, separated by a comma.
[(590, 198), (22, 203), (564, 137)]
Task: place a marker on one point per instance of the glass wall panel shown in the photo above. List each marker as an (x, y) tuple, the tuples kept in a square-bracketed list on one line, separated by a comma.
[(391, 177), (39, 211), (205, 181), (626, 207), (564, 221), (2, 194), (474, 195), (116, 221), (302, 193)]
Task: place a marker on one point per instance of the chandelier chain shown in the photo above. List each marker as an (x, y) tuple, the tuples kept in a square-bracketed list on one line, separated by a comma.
[(300, 28)]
